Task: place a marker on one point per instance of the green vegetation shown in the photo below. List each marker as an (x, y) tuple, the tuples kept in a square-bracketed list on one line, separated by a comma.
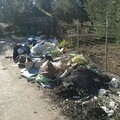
[(68, 43), (99, 11), (44, 15)]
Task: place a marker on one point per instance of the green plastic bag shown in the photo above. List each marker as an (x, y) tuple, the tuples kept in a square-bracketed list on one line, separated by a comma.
[(55, 53), (43, 79)]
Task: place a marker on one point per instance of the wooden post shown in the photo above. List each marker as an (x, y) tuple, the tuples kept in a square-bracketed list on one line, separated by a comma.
[(77, 33), (106, 45)]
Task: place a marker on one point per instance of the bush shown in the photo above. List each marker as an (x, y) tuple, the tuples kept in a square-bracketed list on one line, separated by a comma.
[(69, 43)]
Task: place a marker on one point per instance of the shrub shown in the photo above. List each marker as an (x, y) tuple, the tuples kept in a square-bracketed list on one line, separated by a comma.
[(69, 43)]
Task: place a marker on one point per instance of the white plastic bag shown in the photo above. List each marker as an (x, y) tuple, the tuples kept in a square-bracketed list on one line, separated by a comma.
[(37, 49), (114, 83)]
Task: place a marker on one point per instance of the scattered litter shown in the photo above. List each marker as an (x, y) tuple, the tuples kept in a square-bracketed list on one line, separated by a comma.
[(57, 58), (19, 51), (64, 74), (8, 57), (2, 42), (76, 97), (29, 73), (48, 70), (42, 79), (83, 90), (37, 49), (118, 93), (114, 83), (111, 104), (46, 86), (109, 112), (29, 65), (55, 53), (95, 98), (102, 92)]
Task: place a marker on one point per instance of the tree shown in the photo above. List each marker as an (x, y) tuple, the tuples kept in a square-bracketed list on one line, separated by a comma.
[(99, 10), (45, 5), (68, 10), (10, 9)]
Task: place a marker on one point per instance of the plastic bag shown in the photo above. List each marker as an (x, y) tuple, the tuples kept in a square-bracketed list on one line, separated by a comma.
[(37, 49), (49, 46), (58, 66), (114, 83), (42, 79), (55, 53), (48, 70)]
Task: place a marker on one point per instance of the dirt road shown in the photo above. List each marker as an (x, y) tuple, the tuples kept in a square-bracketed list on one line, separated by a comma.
[(20, 100)]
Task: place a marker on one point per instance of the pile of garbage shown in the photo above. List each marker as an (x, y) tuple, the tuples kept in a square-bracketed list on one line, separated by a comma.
[(83, 90)]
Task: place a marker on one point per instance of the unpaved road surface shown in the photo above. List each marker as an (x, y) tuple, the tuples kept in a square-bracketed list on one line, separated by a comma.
[(20, 100)]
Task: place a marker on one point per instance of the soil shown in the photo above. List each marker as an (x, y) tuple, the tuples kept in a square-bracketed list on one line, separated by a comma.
[(96, 54), (20, 100), (76, 107)]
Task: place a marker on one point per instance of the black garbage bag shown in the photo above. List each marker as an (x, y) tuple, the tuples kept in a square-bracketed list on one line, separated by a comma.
[(20, 49)]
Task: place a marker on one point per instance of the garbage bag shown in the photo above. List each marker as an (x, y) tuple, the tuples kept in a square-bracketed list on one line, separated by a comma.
[(42, 79), (48, 70), (55, 41), (47, 82), (37, 49), (49, 46), (20, 49), (55, 53), (21, 58), (31, 40)]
